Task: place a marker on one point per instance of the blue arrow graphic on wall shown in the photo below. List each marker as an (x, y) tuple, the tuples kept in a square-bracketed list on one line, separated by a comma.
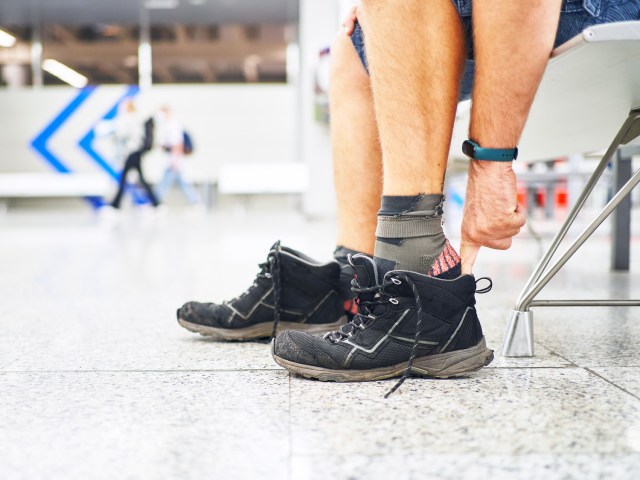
[(86, 143), (39, 143)]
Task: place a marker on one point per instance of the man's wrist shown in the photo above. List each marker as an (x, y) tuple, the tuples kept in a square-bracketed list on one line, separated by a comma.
[(472, 149), (483, 165)]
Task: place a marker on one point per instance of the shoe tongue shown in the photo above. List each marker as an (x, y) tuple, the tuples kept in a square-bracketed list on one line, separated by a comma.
[(366, 270)]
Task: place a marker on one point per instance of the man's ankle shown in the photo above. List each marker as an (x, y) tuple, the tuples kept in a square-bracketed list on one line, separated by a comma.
[(410, 236)]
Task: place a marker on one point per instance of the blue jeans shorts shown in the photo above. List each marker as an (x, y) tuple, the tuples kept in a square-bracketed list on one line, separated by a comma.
[(576, 15)]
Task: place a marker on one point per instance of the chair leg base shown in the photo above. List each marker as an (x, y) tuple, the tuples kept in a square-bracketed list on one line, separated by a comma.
[(518, 341)]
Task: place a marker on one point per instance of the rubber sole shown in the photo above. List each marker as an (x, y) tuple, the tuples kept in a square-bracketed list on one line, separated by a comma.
[(439, 365), (260, 330)]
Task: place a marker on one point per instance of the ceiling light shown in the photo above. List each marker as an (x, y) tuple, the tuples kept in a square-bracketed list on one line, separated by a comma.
[(64, 73), (197, 2), (161, 4), (6, 39)]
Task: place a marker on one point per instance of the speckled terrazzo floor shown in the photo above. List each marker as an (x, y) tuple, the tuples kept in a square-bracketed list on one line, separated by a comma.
[(97, 380)]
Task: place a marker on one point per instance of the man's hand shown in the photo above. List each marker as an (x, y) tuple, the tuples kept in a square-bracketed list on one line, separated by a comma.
[(492, 215), (349, 22)]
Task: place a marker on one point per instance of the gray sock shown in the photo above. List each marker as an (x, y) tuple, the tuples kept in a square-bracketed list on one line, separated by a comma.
[(410, 236)]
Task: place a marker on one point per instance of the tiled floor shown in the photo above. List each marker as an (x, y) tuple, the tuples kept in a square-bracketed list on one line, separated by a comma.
[(97, 380)]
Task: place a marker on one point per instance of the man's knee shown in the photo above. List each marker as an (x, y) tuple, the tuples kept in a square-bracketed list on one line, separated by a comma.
[(345, 63)]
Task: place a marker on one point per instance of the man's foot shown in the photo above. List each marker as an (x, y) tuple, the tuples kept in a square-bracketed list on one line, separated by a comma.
[(407, 321), (291, 292)]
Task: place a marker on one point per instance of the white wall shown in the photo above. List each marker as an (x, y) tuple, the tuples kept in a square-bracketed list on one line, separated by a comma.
[(319, 21), (228, 123)]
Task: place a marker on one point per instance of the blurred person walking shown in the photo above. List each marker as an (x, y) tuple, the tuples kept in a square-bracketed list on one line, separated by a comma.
[(177, 145), (134, 140)]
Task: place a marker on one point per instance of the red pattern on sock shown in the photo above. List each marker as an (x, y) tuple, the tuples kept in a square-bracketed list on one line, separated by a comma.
[(447, 260), (350, 307)]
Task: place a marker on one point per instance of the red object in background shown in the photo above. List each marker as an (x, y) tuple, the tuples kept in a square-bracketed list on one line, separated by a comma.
[(541, 197), (562, 196), (522, 194)]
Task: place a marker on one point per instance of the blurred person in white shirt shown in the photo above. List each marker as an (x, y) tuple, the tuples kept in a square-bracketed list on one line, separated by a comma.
[(171, 139)]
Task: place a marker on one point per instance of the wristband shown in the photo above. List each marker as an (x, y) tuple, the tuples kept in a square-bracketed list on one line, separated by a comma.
[(475, 151)]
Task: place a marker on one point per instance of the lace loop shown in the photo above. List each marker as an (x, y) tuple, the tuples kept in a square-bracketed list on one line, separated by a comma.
[(486, 289)]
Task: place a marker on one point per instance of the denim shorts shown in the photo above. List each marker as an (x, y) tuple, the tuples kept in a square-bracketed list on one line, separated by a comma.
[(466, 85), (576, 15)]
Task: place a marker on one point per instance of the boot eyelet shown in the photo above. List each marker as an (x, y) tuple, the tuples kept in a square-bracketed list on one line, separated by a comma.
[(394, 301), (396, 281)]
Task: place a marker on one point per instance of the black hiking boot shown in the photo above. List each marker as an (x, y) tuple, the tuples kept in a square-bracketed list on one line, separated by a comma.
[(291, 292), (408, 323)]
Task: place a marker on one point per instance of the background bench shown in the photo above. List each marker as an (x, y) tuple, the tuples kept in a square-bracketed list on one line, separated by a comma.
[(51, 185)]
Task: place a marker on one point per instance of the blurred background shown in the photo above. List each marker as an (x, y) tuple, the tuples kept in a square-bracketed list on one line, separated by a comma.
[(240, 76), (248, 81)]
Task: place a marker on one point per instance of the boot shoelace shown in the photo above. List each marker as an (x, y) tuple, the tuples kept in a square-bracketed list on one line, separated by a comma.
[(274, 268), (366, 314), (271, 271), (366, 310), (416, 337)]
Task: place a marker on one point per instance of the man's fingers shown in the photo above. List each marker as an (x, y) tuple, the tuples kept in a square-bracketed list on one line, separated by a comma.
[(468, 255), (511, 233), (350, 17), (349, 28), (521, 215), (501, 244), (491, 230), (485, 238), (349, 22)]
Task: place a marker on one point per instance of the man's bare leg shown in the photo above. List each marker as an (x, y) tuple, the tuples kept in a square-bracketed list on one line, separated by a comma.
[(356, 149), (510, 60), (416, 57), (415, 51), (415, 54)]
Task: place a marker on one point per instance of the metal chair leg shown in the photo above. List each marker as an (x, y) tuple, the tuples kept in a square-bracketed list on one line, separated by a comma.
[(518, 340)]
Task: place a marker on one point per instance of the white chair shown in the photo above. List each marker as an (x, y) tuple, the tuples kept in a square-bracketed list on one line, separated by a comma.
[(591, 87)]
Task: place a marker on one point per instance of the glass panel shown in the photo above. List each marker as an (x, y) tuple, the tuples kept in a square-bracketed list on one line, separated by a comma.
[(219, 53), (103, 53)]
